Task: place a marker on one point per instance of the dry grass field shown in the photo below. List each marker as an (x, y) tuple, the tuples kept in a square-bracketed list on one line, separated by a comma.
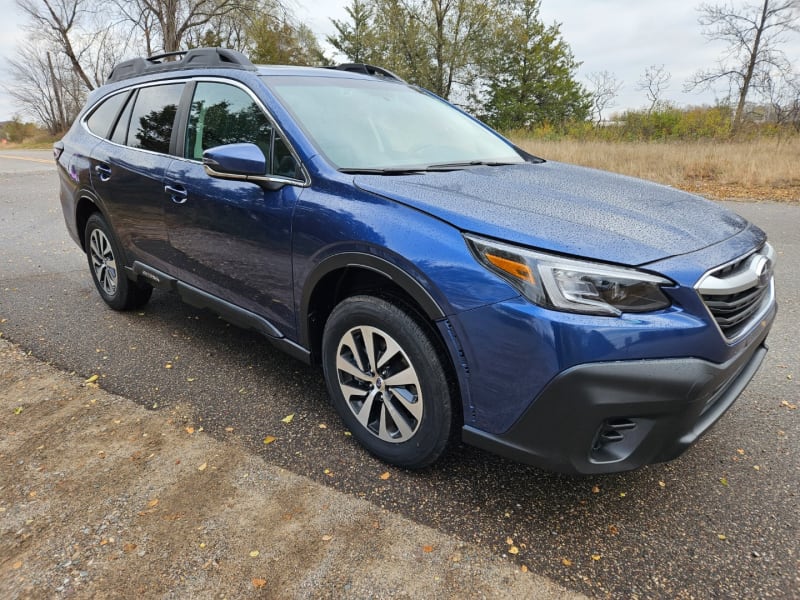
[(766, 169)]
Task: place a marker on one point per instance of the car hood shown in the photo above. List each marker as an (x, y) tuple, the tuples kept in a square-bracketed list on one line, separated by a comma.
[(566, 209)]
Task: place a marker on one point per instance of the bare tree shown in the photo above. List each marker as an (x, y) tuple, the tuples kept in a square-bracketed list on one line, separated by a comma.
[(654, 81), (754, 34), (605, 88), (174, 19), (60, 21), (782, 96), (46, 86)]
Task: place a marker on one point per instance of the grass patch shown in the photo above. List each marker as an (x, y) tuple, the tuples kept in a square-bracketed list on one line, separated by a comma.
[(763, 169)]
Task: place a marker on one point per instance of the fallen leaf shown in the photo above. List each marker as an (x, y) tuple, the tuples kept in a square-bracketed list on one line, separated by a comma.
[(566, 562), (259, 583), (427, 548), (513, 550), (168, 366), (524, 569), (202, 545), (724, 481), (347, 434), (229, 429), (789, 405), (662, 484), (287, 418), (128, 548), (32, 494), (202, 467), (322, 426), (740, 451), (509, 541), (92, 379), (596, 489), (190, 379), (18, 410), (254, 553), (327, 538), (153, 503), (756, 467), (596, 556), (17, 565), (612, 529), (190, 430), (622, 494), (269, 439), (385, 475), (722, 536)]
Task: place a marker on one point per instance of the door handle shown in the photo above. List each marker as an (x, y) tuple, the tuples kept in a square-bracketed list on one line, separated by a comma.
[(177, 193), (103, 171)]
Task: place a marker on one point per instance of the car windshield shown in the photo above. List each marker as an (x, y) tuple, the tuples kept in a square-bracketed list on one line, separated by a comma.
[(375, 125)]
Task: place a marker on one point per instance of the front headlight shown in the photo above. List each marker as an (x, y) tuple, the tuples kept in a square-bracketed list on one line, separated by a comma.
[(572, 285)]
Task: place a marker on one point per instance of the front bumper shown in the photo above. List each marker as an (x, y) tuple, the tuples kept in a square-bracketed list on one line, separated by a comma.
[(616, 416)]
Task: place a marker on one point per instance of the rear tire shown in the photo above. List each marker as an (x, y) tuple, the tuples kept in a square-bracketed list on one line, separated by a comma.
[(105, 264), (387, 381)]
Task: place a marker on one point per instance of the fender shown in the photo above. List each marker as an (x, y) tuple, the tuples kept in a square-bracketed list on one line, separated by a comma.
[(379, 265)]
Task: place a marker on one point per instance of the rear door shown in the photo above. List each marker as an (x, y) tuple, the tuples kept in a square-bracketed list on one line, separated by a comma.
[(231, 238), (128, 171)]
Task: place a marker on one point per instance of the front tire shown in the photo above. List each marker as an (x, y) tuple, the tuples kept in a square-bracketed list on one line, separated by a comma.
[(387, 381), (105, 263)]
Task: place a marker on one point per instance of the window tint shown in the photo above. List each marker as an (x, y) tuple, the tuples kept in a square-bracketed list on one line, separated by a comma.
[(153, 116), (283, 163), (103, 117), (225, 114), (120, 134)]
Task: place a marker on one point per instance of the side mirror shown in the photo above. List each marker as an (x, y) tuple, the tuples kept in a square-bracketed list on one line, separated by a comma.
[(241, 162), (235, 161)]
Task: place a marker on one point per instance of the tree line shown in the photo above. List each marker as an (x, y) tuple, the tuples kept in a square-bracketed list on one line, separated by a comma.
[(495, 58)]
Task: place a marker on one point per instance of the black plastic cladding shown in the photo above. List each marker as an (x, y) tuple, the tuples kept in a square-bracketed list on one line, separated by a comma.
[(198, 58)]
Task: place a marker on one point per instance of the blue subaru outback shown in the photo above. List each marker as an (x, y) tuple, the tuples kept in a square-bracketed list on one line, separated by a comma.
[(447, 282)]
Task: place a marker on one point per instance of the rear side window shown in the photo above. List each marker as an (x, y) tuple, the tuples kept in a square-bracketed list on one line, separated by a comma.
[(102, 118), (153, 117)]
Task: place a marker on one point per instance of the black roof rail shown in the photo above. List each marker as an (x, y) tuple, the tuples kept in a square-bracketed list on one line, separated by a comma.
[(196, 58), (366, 69)]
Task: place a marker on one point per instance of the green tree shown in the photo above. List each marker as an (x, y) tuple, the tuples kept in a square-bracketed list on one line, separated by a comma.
[(356, 38), (529, 72), (279, 41), (432, 43)]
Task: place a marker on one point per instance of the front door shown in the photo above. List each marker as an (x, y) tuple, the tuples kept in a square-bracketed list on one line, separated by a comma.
[(233, 239)]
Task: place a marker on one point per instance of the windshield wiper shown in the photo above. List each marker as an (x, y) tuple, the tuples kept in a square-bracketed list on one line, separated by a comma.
[(453, 166), (435, 167), (389, 171)]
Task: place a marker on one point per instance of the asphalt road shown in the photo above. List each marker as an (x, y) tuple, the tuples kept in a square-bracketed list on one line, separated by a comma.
[(719, 522)]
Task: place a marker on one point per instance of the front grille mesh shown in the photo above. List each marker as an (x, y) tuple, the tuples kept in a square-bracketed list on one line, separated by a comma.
[(735, 294)]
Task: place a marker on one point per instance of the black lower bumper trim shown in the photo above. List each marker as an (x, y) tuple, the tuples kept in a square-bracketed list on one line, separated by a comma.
[(610, 417)]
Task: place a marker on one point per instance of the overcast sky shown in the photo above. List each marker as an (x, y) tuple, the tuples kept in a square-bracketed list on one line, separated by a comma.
[(620, 36)]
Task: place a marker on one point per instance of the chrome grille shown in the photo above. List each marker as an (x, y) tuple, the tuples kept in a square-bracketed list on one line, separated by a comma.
[(738, 293)]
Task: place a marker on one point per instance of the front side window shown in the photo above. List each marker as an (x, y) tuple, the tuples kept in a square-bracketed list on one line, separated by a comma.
[(153, 117), (225, 114)]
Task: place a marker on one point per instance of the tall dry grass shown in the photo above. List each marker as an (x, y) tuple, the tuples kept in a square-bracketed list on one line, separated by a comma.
[(760, 169)]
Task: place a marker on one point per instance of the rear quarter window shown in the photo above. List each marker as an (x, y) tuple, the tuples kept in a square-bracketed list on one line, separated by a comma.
[(105, 114)]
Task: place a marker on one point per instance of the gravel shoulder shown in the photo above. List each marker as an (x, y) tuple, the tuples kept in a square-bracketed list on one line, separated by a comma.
[(101, 497)]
